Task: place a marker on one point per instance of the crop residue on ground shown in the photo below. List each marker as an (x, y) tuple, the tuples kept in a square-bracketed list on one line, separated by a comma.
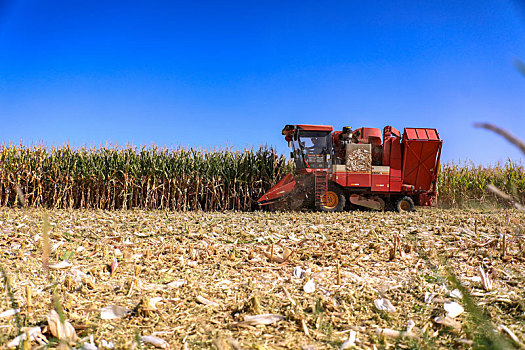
[(261, 280)]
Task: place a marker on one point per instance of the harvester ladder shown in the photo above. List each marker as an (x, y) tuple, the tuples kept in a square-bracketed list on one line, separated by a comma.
[(321, 186)]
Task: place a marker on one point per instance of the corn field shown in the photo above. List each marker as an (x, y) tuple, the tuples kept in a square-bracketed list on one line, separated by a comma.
[(189, 179), (154, 178), (464, 185)]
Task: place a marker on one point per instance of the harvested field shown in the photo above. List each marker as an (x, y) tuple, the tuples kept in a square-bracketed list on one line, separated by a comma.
[(195, 279)]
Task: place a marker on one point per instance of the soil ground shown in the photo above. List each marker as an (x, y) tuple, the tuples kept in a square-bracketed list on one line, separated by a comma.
[(194, 279)]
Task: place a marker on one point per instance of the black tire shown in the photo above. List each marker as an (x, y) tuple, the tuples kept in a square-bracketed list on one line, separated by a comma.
[(405, 204), (335, 200)]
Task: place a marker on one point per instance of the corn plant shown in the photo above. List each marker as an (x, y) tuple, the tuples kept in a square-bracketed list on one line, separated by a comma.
[(464, 185), (192, 179), (160, 178)]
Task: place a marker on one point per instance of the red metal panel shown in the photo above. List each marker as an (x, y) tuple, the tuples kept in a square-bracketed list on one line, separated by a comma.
[(410, 134), (340, 178), (395, 155), (421, 134), (395, 184), (432, 134), (387, 145), (390, 131), (358, 179), (369, 135), (380, 183), (411, 161), (420, 163), (280, 189), (315, 127), (395, 166)]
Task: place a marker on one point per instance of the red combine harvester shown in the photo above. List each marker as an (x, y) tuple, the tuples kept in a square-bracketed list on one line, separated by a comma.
[(358, 168)]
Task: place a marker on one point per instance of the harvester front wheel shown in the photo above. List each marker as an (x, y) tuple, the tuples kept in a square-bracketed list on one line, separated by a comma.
[(405, 204), (334, 200)]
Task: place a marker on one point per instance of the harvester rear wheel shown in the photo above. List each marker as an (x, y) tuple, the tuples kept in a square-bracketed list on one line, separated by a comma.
[(405, 204), (334, 200)]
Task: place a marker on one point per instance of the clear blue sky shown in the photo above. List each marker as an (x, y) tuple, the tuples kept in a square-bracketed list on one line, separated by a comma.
[(210, 74)]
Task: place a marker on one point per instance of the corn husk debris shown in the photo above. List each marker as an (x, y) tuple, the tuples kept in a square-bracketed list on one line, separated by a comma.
[(61, 330)]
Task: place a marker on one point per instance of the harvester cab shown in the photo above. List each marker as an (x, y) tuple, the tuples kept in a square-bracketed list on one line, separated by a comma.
[(363, 167), (311, 145)]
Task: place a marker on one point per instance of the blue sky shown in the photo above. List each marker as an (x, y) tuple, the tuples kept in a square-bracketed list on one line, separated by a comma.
[(210, 74)]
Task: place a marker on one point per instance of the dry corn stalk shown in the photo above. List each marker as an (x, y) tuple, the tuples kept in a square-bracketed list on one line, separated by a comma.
[(486, 282), (155, 341), (512, 336), (263, 319), (391, 333), (29, 298), (151, 178), (113, 312), (204, 301), (448, 322), (178, 320), (29, 333), (395, 249)]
